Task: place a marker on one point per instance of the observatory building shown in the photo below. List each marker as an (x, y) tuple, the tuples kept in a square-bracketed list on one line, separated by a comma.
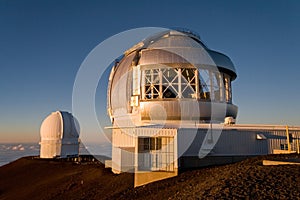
[(171, 107), (59, 136), (174, 71)]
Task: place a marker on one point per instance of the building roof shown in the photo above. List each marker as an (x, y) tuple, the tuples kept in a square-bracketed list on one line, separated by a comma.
[(180, 47)]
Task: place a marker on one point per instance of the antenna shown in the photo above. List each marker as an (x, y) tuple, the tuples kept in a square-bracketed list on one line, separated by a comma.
[(190, 33)]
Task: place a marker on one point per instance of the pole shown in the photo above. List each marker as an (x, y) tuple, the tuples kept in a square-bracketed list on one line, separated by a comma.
[(298, 150), (288, 139)]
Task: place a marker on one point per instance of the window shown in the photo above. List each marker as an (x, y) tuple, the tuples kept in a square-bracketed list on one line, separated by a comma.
[(170, 82), (149, 143), (283, 146), (211, 85), (186, 83), (156, 153), (204, 84), (227, 85), (152, 82)]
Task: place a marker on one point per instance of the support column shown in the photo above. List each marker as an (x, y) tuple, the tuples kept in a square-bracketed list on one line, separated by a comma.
[(197, 95), (179, 83)]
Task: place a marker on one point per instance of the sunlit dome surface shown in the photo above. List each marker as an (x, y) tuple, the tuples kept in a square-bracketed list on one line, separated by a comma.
[(187, 45), (166, 71), (59, 125)]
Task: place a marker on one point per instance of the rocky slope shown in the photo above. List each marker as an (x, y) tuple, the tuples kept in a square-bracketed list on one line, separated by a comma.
[(29, 178)]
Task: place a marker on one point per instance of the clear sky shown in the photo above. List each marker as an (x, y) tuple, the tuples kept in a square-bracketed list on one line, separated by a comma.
[(43, 43)]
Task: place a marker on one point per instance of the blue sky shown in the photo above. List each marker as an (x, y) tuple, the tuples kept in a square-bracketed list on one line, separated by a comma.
[(43, 43)]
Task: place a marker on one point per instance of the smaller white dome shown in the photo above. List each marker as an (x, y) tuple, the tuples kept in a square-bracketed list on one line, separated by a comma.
[(59, 125), (52, 127), (59, 135)]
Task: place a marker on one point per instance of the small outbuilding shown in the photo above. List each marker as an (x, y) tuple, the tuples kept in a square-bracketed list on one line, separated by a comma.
[(59, 136)]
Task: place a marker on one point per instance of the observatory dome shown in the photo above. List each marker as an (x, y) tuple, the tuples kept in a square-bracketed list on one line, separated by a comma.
[(171, 70), (59, 125), (52, 127), (59, 135)]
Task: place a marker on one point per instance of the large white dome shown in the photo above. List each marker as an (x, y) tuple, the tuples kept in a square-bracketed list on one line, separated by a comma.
[(174, 72)]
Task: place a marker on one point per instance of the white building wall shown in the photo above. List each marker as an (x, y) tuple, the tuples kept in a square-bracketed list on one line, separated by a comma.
[(116, 160), (236, 141), (189, 141), (50, 148), (123, 138), (123, 150), (125, 154), (127, 159), (240, 143)]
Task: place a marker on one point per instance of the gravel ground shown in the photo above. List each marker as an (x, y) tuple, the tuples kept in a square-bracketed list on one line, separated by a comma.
[(29, 178)]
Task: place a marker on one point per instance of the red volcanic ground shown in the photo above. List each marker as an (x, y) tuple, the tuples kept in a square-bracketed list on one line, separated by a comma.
[(29, 178)]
